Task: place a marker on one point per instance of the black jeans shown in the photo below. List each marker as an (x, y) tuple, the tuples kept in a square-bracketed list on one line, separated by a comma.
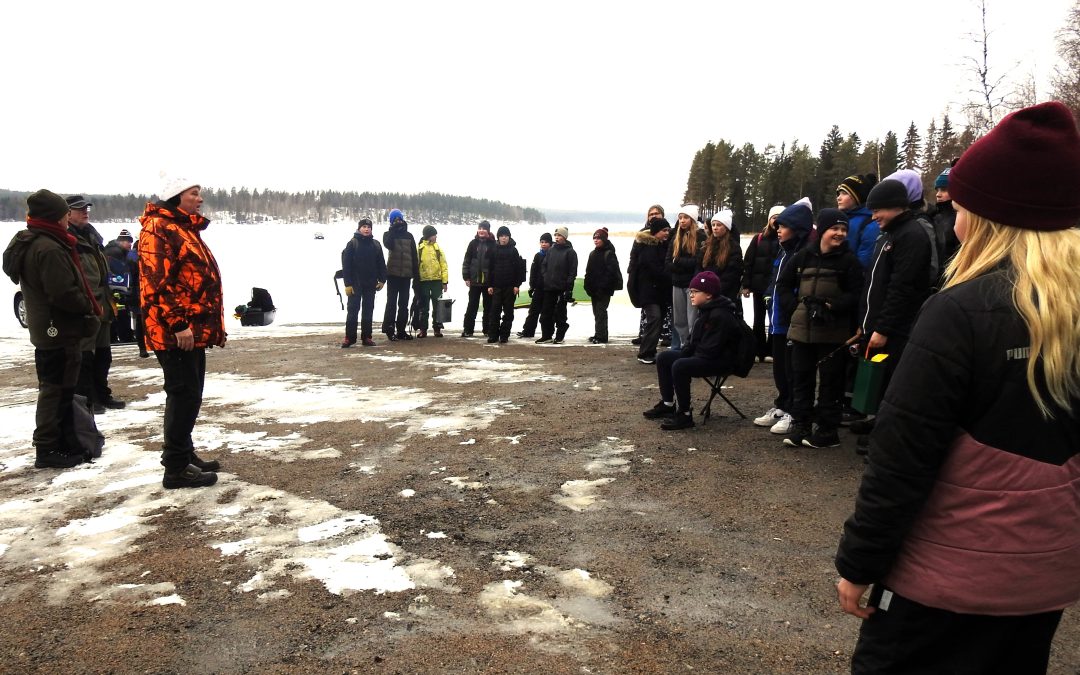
[(477, 296), (362, 303), (57, 373), (675, 371), (94, 368), (536, 305), (830, 376), (762, 340), (184, 373), (781, 369), (600, 305), (502, 301), (397, 298), (912, 638), (553, 317), (650, 334)]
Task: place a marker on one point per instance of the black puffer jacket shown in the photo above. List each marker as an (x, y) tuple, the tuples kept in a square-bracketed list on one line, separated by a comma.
[(715, 335), (474, 267), (560, 267), (758, 261), (897, 281), (401, 259), (835, 278), (506, 267), (362, 262), (682, 269), (731, 273), (536, 271), (602, 273), (649, 282)]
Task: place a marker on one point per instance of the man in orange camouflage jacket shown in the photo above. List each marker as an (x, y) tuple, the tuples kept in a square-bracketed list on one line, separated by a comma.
[(180, 293)]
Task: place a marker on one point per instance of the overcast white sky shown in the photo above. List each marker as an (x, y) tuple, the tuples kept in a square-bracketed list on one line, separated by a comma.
[(577, 105)]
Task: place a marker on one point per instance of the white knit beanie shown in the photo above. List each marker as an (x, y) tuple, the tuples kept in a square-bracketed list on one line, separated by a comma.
[(776, 210), (172, 186), (723, 216), (690, 210)]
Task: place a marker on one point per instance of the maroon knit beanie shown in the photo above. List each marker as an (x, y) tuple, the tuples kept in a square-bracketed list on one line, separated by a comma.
[(1025, 173), (602, 233)]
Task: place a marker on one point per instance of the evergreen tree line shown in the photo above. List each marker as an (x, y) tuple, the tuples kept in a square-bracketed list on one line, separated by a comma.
[(750, 181), (325, 206)]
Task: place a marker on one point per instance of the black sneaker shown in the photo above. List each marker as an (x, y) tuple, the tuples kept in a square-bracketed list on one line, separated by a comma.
[(862, 427), (543, 340), (204, 465), (391, 337), (647, 360), (558, 339), (850, 415), (188, 477), (467, 334), (797, 436), (115, 404), (493, 339), (683, 420), (404, 336), (522, 334), (821, 439), (57, 460), (659, 410)]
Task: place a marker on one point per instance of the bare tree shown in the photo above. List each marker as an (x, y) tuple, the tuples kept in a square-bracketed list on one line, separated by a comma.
[(989, 94), (1066, 80)]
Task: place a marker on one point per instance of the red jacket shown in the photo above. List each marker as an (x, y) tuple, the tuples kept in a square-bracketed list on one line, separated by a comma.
[(179, 279)]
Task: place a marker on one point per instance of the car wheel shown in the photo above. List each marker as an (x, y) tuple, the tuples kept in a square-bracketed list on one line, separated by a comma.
[(20, 309)]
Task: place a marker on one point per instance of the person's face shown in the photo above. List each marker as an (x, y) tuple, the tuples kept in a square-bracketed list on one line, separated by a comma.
[(504, 239), (559, 239), (685, 221), (942, 195), (960, 227), (597, 242), (718, 228), (483, 233), (663, 234), (772, 222), (785, 233), (833, 237), (365, 230), (844, 200), (79, 217), (124, 244), (886, 216), (432, 238), (699, 298), (544, 244), (654, 213), (191, 200)]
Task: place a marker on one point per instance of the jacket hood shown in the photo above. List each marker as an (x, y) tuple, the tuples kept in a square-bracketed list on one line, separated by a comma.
[(16, 251), (645, 238), (718, 302), (361, 237)]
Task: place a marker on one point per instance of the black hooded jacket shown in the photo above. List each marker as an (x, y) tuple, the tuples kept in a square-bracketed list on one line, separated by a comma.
[(362, 262), (897, 281), (602, 273), (506, 267), (716, 334)]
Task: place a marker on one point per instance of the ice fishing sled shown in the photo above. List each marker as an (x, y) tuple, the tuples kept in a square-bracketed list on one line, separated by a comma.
[(259, 311)]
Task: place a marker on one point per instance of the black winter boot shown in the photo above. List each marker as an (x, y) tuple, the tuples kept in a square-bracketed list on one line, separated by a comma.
[(204, 465), (188, 477), (681, 420), (55, 459)]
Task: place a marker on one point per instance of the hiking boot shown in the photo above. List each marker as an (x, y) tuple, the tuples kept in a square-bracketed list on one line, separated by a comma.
[(543, 340), (404, 336), (797, 435), (862, 427), (422, 333), (782, 426), (770, 418), (55, 459), (659, 410), (143, 354), (437, 333), (114, 404), (204, 465), (346, 343), (822, 438), (188, 477), (368, 342), (683, 420), (493, 339)]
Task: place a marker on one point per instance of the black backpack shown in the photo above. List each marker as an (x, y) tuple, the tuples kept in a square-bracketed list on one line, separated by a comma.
[(745, 349)]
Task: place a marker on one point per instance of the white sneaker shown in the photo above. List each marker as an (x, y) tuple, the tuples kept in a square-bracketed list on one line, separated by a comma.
[(770, 418), (783, 426)]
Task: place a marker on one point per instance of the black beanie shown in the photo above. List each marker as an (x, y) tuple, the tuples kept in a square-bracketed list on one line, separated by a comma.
[(889, 193), (657, 224), (858, 186), (429, 231), (46, 205), (484, 225), (363, 222), (503, 230), (546, 237), (826, 218)]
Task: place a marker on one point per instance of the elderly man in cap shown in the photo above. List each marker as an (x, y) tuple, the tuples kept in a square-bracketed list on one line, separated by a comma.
[(61, 310), (96, 349), (184, 316)]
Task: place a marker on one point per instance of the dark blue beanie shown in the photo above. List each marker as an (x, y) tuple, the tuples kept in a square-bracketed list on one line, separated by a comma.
[(798, 217)]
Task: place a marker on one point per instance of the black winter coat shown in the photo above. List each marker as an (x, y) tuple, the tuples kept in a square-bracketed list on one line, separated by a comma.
[(560, 267), (602, 273), (506, 268), (716, 333), (536, 271), (649, 282), (401, 258), (897, 281), (682, 269), (474, 267), (758, 261), (362, 262), (732, 272), (835, 278)]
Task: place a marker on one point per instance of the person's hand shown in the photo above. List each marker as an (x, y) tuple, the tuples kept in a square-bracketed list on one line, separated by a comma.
[(491, 291), (185, 340), (349, 291), (849, 595), (877, 340), (444, 288), (380, 285), (517, 289), (746, 292)]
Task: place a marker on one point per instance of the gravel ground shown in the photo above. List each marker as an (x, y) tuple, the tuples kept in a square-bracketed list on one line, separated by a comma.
[(427, 507)]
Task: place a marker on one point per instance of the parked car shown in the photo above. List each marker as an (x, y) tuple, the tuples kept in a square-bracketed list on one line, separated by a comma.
[(20, 309), (319, 235)]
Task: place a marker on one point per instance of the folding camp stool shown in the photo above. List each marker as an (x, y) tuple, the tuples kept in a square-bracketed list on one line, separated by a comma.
[(716, 383)]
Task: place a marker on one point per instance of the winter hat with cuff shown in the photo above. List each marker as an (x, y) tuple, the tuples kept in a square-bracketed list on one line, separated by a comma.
[(798, 217), (125, 236), (602, 233), (690, 210), (858, 186), (942, 181), (429, 231), (46, 205), (546, 237), (826, 218), (888, 194), (1024, 172), (706, 282), (657, 224), (723, 216), (504, 231), (912, 182), (562, 232)]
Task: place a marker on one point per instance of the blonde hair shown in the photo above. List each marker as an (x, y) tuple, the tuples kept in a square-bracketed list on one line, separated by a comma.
[(1046, 292), (687, 239)]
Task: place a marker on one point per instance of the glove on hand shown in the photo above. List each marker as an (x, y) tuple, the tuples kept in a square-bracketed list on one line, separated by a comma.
[(349, 291), (380, 285)]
